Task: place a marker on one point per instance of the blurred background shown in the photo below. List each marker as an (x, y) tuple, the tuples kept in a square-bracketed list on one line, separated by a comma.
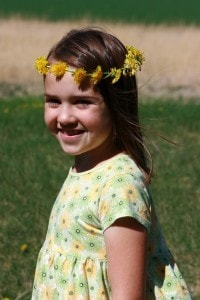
[(167, 32), (32, 167)]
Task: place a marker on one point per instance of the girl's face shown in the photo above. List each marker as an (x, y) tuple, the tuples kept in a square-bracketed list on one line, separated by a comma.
[(78, 118)]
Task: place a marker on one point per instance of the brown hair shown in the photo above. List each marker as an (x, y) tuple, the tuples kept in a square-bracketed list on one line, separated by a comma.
[(90, 47)]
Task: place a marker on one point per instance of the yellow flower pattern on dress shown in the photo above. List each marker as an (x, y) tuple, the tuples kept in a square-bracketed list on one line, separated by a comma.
[(74, 265)]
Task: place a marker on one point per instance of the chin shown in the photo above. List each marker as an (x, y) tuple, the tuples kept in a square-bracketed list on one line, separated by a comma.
[(71, 151)]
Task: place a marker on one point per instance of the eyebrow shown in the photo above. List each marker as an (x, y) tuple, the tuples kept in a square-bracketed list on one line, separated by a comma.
[(75, 96), (49, 95)]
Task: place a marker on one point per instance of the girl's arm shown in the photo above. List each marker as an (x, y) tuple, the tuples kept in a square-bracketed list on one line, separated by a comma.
[(126, 243)]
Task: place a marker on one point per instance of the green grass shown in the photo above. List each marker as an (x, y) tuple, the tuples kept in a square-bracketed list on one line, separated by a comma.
[(33, 168), (142, 11)]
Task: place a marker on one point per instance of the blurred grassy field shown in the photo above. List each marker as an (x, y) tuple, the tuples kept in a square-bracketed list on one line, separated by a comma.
[(33, 168), (137, 11), (170, 69), (32, 164)]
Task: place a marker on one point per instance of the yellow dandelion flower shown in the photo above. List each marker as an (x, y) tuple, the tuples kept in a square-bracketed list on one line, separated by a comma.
[(117, 75), (130, 63), (112, 72), (24, 247), (139, 56), (41, 65), (59, 69), (79, 75), (97, 75), (134, 59)]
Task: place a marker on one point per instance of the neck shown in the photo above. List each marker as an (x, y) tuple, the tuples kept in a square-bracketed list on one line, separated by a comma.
[(87, 161)]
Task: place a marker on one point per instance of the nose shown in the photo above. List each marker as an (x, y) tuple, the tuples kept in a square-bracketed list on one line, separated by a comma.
[(66, 115)]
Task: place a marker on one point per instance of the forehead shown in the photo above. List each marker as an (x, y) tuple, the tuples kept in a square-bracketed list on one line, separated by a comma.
[(67, 86)]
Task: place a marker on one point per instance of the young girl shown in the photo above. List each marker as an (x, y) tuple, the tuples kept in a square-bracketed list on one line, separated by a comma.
[(104, 240)]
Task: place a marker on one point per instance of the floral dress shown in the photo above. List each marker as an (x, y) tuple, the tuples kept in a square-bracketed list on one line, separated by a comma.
[(72, 263)]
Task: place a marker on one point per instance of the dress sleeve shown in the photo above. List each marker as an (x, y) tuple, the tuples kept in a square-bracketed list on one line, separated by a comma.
[(125, 195)]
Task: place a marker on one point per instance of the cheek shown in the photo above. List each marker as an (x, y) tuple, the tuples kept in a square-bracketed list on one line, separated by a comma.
[(46, 117), (105, 121), (101, 123), (49, 118)]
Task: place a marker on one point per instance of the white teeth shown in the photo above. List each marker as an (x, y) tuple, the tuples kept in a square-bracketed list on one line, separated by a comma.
[(72, 132)]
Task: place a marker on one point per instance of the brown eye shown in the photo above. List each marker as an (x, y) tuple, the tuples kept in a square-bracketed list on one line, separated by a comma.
[(53, 102), (82, 103)]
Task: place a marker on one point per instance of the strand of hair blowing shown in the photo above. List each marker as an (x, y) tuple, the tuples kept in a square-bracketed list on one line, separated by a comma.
[(127, 129)]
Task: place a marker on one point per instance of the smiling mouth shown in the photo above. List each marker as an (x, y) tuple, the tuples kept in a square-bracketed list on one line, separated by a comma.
[(72, 132)]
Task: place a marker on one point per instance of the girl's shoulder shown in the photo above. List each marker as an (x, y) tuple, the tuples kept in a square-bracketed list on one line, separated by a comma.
[(120, 163), (123, 165), (116, 168)]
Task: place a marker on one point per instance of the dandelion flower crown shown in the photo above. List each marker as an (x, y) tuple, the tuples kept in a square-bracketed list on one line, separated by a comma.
[(133, 61)]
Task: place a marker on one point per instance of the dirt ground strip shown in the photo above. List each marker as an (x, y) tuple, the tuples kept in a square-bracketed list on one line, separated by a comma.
[(172, 66)]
